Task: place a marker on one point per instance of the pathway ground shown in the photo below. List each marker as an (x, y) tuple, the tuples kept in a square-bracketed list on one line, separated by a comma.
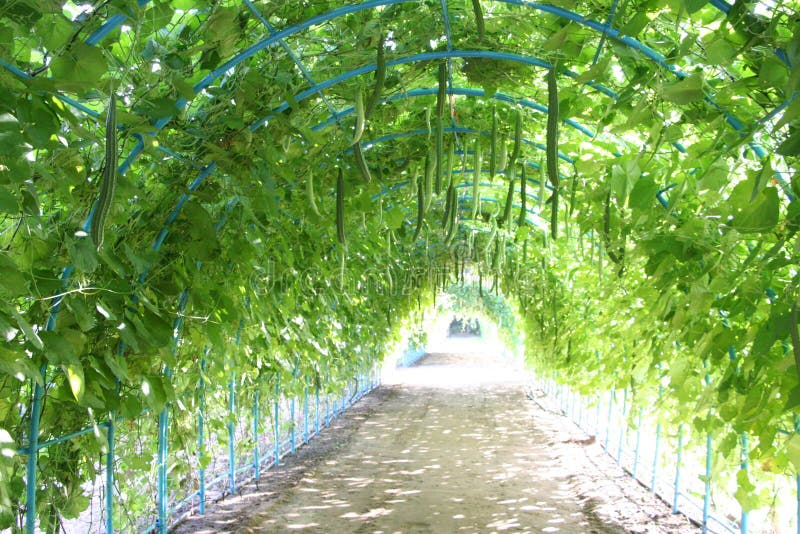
[(453, 445)]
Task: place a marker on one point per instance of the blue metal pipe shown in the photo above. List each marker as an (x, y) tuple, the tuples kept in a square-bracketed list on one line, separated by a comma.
[(305, 414), (610, 412), (316, 413), (679, 461), (303, 70), (655, 459), (110, 460), (744, 523), (231, 432), (201, 422), (163, 492), (291, 428), (707, 494), (256, 462), (276, 417), (597, 416), (609, 22), (463, 91), (426, 56), (709, 457), (450, 129), (110, 25), (623, 426), (638, 443)]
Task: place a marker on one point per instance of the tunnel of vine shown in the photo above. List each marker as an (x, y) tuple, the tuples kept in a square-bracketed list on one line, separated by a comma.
[(269, 196)]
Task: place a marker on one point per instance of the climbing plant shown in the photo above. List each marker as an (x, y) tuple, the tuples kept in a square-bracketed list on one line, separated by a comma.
[(296, 179)]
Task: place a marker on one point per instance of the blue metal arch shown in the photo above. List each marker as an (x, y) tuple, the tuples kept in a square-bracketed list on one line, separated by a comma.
[(279, 36), (532, 217), (429, 56), (456, 130), (461, 91)]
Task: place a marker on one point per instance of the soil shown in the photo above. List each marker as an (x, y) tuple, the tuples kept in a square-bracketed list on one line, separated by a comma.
[(453, 445)]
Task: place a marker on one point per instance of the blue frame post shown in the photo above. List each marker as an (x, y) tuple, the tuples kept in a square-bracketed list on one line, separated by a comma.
[(610, 413), (276, 417), (201, 421), (316, 413), (677, 486), (597, 415), (707, 494), (638, 443), (163, 493), (623, 427), (745, 519), (231, 432), (709, 458), (291, 428), (33, 456), (256, 459), (327, 409), (797, 476), (305, 414), (110, 477), (797, 480), (655, 459)]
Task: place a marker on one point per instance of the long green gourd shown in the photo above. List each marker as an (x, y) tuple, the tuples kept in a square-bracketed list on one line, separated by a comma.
[(360, 117), (420, 209), (476, 180), (108, 180), (380, 79), (523, 197), (312, 203), (511, 177), (512, 160), (476, 7), (361, 163), (441, 98), (340, 208), (493, 147), (430, 163), (552, 144)]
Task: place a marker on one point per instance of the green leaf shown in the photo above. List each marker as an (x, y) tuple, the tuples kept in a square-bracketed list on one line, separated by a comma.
[(773, 72), (154, 392), (692, 6), (761, 215), (685, 91), (83, 253), (792, 447), (131, 407), (556, 40), (746, 492), (394, 217), (161, 108), (27, 329), (82, 65), (118, 366), (636, 24), (791, 145), (62, 347), (10, 135), (12, 282), (643, 195), (8, 202), (75, 378), (18, 364), (720, 51)]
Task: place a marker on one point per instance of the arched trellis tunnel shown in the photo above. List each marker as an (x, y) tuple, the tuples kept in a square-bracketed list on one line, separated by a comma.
[(173, 213)]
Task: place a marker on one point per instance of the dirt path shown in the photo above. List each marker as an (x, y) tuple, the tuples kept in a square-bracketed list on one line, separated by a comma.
[(454, 446)]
